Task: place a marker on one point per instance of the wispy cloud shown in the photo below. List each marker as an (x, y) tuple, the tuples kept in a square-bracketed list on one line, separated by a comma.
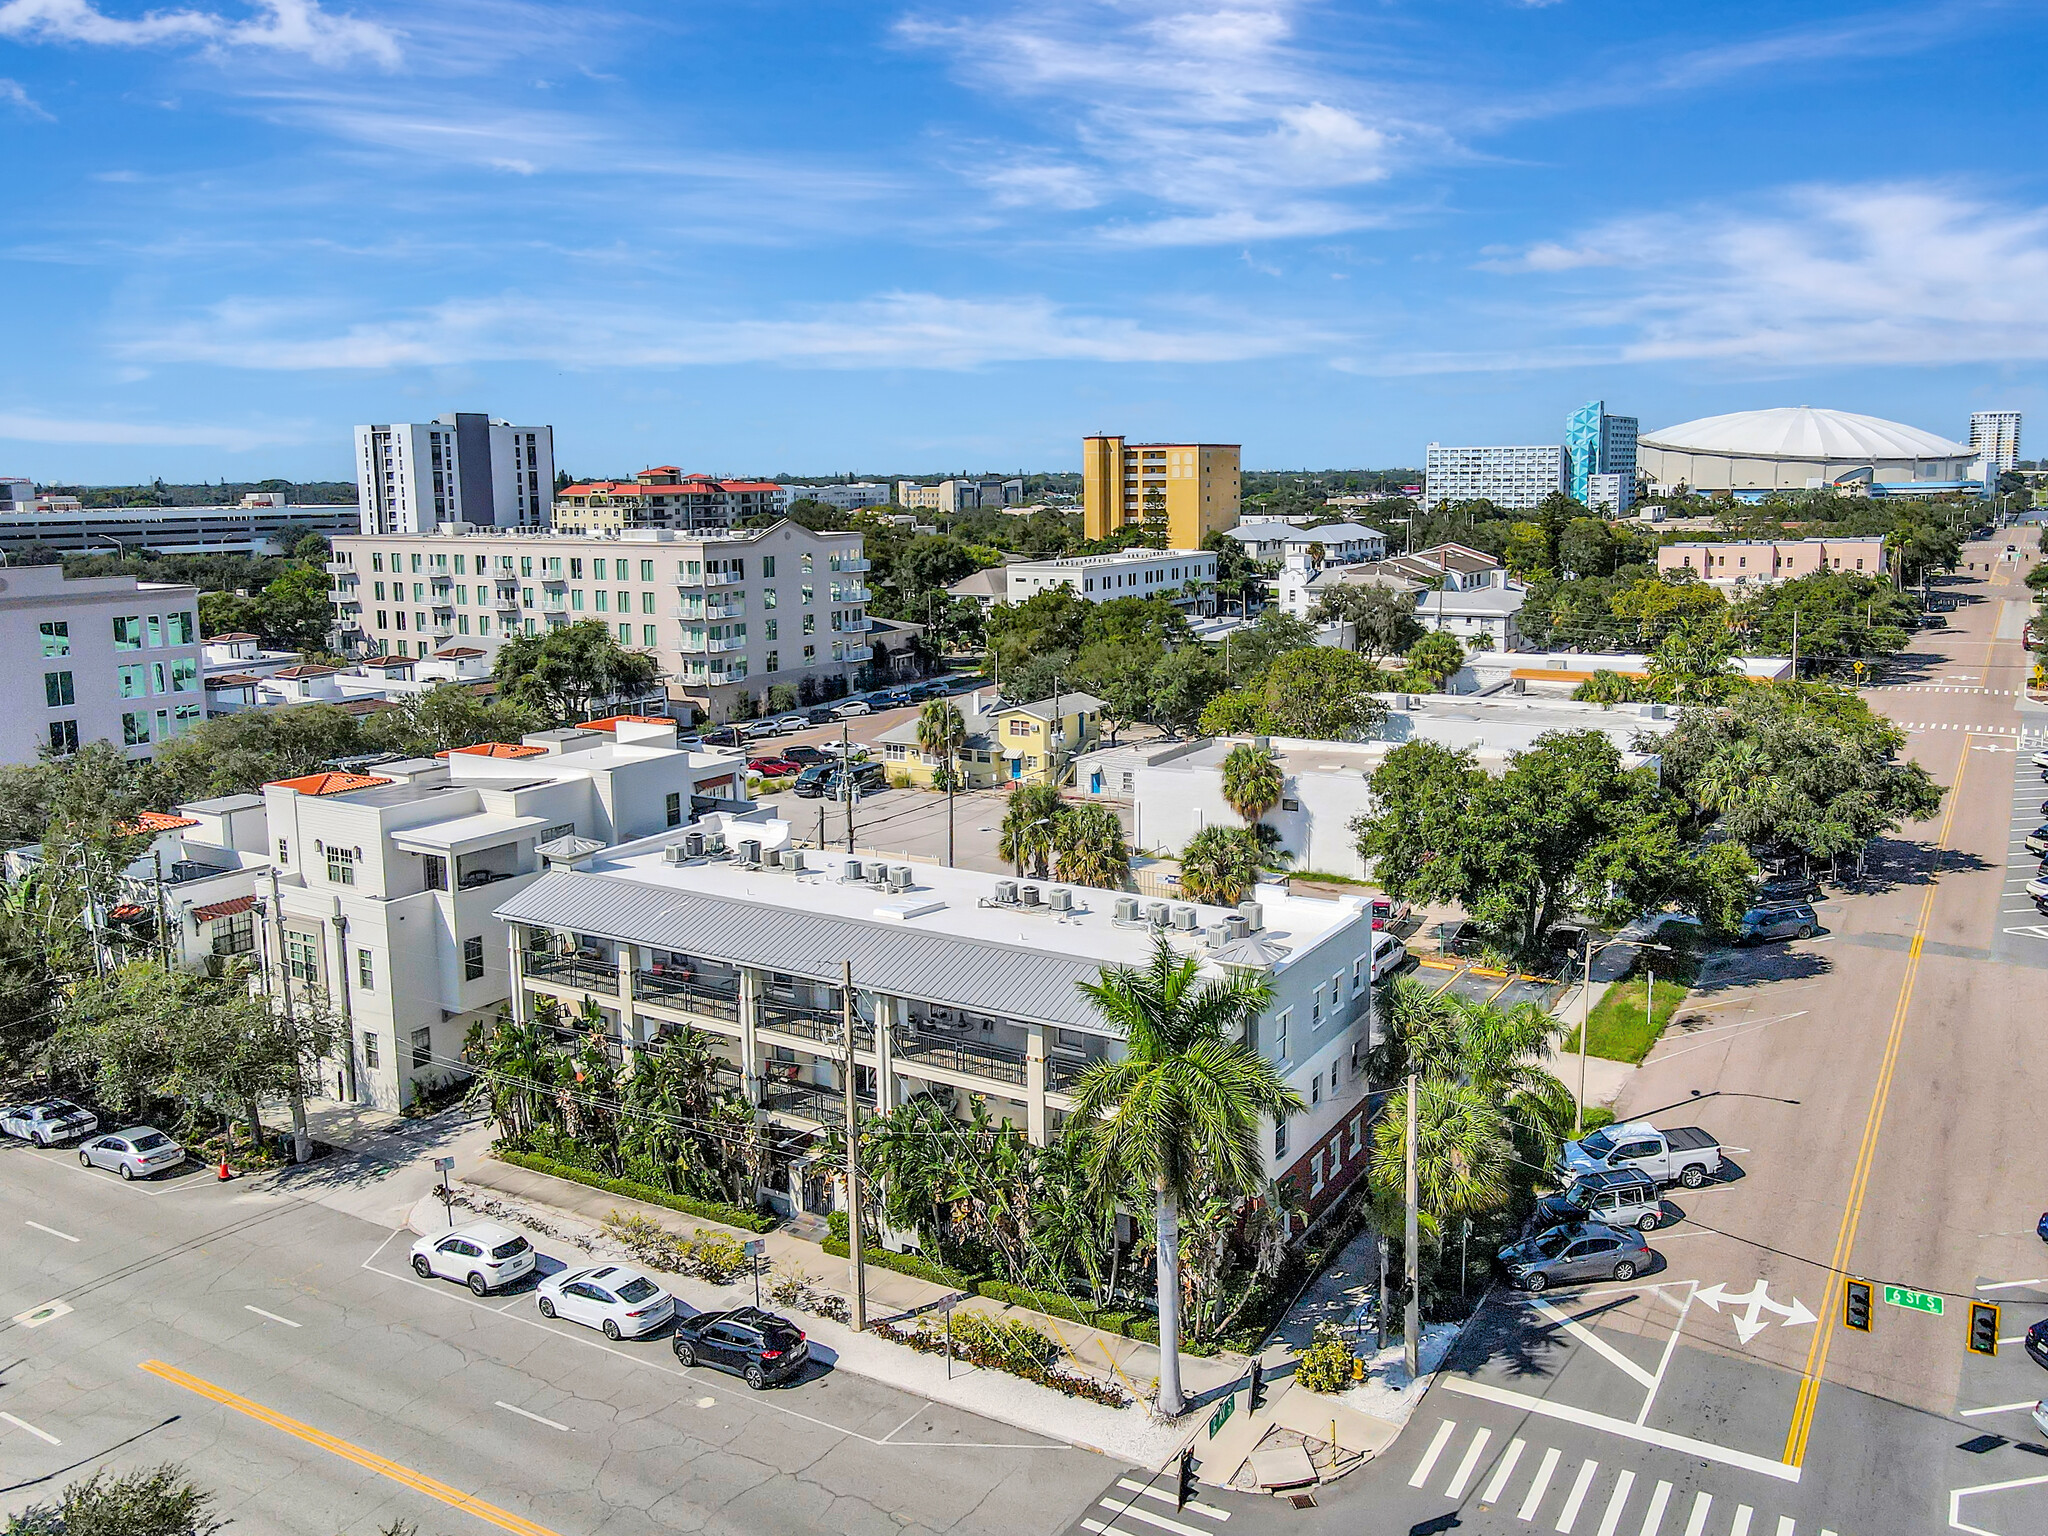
[(16, 95), (896, 330), (23, 427), (300, 27)]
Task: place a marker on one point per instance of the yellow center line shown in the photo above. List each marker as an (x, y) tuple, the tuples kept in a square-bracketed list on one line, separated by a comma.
[(1859, 1181), (419, 1482)]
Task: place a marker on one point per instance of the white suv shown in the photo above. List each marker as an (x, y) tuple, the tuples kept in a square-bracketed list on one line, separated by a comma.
[(483, 1255)]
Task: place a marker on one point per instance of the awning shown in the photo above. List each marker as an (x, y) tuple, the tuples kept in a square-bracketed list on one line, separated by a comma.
[(234, 906)]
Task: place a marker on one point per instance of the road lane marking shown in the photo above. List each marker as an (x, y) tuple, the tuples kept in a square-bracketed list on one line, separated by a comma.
[(1784, 1525), (271, 1315), (334, 1445), (1971, 1413), (1610, 1521), (51, 1230), (1653, 1517), (41, 1434), (1706, 1450), (1956, 1496), (2011, 1285), (1742, 1517), (1808, 1397), (1574, 1500), (1598, 1345), (1132, 1512), (1146, 1490), (1692, 1290), (1444, 1431), (551, 1424), (1497, 1484), (1701, 1503), (1541, 1486), (1469, 1465)]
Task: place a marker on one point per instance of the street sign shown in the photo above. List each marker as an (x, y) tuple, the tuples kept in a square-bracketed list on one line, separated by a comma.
[(1913, 1301), (444, 1165), (1222, 1415)]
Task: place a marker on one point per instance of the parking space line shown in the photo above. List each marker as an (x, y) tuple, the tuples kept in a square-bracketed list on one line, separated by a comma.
[(1653, 1517), (1701, 1503), (1615, 1503), (1598, 1345), (51, 1230), (41, 1434), (1971, 1413), (271, 1315)]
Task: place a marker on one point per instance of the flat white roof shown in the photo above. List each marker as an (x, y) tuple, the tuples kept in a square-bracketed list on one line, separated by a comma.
[(465, 834)]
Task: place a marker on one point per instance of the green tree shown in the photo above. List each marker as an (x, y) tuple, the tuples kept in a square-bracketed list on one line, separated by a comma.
[(1841, 614), (1694, 663), (1221, 865), (240, 753), (1030, 828), (1253, 649), (1433, 661), (1606, 687), (1184, 1106), (444, 718), (1252, 781), (1089, 848), (157, 1501), (1183, 682), (1322, 694), (941, 733), (1382, 619), (1236, 712), (567, 673)]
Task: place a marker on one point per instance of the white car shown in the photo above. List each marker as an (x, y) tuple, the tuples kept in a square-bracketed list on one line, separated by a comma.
[(1389, 954), (2041, 762), (2041, 1416), (2037, 890), (862, 707), (482, 1255), (789, 725), (48, 1122), (136, 1153), (623, 1302)]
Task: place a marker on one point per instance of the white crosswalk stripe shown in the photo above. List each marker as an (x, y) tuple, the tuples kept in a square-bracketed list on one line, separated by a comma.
[(1456, 1461)]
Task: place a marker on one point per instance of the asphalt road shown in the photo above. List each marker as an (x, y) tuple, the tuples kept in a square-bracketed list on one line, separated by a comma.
[(282, 1351)]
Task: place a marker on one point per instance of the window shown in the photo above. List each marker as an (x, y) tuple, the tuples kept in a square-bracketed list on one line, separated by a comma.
[(302, 957), (184, 676), (1315, 1089), (156, 631), (370, 1052), (284, 851), (376, 562), (1280, 1033), (56, 637), (135, 728), (650, 636), (774, 661), (804, 564), (366, 970), (767, 567), (341, 865), (807, 592), (181, 628), (770, 627), (810, 654), (674, 808), (646, 602), (625, 631), (473, 958), (575, 568), (63, 737), (770, 598), (127, 632), (1279, 1138), (810, 623), (646, 574), (422, 1048), (159, 678), (576, 599), (434, 869), (415, 562), (57, 690)]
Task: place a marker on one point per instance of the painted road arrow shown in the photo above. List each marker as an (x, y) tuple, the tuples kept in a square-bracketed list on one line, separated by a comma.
[(1747, 1309)]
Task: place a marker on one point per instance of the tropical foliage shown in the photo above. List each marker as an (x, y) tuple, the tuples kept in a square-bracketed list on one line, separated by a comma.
[(1220, 865), (1252, 781), (1079, 844)]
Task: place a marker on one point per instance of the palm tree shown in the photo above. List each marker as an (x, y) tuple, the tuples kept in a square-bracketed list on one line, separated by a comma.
[(1499, 1051), (1091, 849), (941, 733), (1221, 865), (1030, 827), (1464, 1156), (1251, 780), (1183, 1109)]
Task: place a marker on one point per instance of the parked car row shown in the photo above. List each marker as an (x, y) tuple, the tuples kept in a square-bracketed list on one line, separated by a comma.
[(740, 733), (137, 1152), (759, 1347)]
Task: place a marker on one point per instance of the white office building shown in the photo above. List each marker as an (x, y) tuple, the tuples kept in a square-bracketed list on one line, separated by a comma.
[(463, 467), (1995, 437), (109, 658), (722, 614), (1516, 477), (844, 498), (1274, 539), (1137, 572)]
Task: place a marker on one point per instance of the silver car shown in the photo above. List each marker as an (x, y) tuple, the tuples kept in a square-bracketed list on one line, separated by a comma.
[(136, 1153), (1571, 1254)]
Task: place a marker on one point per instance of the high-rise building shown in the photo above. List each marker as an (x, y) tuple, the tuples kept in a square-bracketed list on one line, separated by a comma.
[(1996, 437), (1508, 477), (1186, 490), (411, 477), (1603, 457)]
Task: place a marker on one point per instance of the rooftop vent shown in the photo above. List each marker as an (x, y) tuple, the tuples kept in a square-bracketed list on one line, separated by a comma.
[(675, 853), (1236, 926), (878, 875)]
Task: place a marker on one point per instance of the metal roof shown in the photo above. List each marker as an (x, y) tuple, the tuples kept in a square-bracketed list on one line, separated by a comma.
[(888, 956)]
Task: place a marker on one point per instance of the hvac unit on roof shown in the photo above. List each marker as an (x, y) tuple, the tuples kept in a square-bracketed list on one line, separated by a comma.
[(1158, 914), (675, 853), (750, 853), (1060, 899), (793, 860), (1006, 893), (1253, 914), (850, 870), (693, 844), (878, 875), (1184, 919), (1028, 896), (1236, 926), (1127, 909), (899, 878), (714, 842)]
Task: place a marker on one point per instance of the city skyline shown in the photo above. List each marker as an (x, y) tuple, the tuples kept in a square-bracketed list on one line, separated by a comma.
[(1329, 232)]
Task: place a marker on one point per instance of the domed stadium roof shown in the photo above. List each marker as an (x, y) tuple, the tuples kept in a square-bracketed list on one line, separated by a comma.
[(1802, 432)]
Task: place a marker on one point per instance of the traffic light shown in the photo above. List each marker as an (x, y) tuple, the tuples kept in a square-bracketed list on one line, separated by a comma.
[(1184, 1479), (1256, 1385), (1856, 1306), (1983, 1328)]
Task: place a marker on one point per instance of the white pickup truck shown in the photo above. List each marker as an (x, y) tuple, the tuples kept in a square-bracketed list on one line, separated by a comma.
[(48, 1122), (1683, 1155)]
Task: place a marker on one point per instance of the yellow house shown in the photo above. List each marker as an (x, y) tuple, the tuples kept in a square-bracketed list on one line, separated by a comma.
[(1007, 744)]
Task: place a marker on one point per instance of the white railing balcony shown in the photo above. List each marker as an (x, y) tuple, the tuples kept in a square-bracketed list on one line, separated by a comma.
[(723, 578), (859, 625), (507, 602), (348, 605), (344, 577), (853, 652), (552, 580), (690, 581), (851, 565), (558, 615), (727, 644), (732, 606), (852, 593)]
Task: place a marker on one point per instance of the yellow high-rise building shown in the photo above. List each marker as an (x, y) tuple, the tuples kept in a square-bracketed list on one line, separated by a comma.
[(1187, 490)]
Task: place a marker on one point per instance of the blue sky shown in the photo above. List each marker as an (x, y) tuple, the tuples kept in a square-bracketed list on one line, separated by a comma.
[(763, 236)]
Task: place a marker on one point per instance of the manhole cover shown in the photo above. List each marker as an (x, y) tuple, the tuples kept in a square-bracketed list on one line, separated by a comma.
[(1302, 1500)]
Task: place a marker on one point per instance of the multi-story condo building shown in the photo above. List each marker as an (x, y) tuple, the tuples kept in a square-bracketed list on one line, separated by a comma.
[(412, 477), (1507, 477), (1603, 457), (964, 984), (1341, 543), (1005, 745), (109, 659), (1995, 435), (385, 882), (663, 497), (1189, 490), (1744, 562), (844, 498), (959, 495), (722, 614), (1186, 576)]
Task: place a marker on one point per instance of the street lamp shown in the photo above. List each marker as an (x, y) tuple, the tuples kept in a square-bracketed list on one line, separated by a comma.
[(1587, 936)]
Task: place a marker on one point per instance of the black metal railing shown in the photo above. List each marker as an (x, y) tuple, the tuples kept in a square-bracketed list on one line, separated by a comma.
[(574, 971), (820, 1024), (827, 1106), (697, 995), (974, 1059), (1062, 1072)]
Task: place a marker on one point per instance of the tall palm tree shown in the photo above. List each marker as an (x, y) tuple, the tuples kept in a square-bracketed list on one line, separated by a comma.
[(1222, 864), (941, 733), (1030, 826), (1184, 1108), (1499, 1051), (1252, 781), (1464, 1156), (1091, 848)]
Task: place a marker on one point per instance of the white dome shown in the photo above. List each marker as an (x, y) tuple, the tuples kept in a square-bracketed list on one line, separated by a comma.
[(1801, 432)]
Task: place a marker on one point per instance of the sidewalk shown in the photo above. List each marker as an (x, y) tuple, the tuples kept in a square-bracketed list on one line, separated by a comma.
[(384, 1162)]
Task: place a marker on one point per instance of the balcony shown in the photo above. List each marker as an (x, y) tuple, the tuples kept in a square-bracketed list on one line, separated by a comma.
[(855, 566), (344, 577), (723, 578), (443, 630), (348, 605), (853, 652), (821, 1024), (852, 593), (1062, 1071), (853, 626), (709, 998), (807, 1101), (731, 606), (574, 971), (970, 1058), (690, 582), (558, 615), (507, 602), (553, 579), (716, 645)]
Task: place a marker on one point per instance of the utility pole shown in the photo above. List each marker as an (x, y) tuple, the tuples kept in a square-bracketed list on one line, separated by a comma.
[(846, 781), (1412, 1318), (1585, 1022), (1795, 645), (302, 1141), (860, 1275)]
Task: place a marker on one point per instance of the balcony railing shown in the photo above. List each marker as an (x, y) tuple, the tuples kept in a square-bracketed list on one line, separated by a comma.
[(1062, 1072), (821, 1024), (854, 593), (826, 1106), (723, 578), (574, 971), (853, 653), (855, 566), (708, 998), (972, 1058)]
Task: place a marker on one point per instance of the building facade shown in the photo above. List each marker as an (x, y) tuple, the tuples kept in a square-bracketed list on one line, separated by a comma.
[(843, 498), (463, 467), (1513, 477), (1006, 745), (1603, 458), (171, 530), (1744, 561), (1341, 543), (663, 497), (109, 659), (1136, 572), (1995, 435), (1187, 490), (959, 495), (965, 985), (722, 614)]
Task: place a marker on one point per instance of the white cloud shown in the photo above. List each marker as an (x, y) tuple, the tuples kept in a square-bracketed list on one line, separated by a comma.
[(14, 94), (21, 427), (895, 330), (298, 27)]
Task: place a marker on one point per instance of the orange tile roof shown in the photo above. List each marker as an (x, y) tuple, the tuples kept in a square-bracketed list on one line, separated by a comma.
[(234, 906), (330, 783), (160, 821), (306, 669), (611, 722), (496, 749), (456, 653), (232, 680)]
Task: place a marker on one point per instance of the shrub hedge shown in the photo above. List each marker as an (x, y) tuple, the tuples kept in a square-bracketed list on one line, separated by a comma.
[(906, 1264), (994, 1347), (708, 1210)]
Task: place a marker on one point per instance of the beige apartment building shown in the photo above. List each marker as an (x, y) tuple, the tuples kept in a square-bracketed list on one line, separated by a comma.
[(663, 497), (1187, 490), (1742, 562), (723, 614)]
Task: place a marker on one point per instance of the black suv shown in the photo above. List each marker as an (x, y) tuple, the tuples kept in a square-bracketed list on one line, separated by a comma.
[(756, 1346)]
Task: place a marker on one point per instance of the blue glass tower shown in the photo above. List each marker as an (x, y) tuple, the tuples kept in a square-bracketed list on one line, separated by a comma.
[(1602, 449)]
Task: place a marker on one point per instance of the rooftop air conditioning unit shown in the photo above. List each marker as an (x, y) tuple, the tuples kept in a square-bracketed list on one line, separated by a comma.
[(1006, 893), (851, 871), (714, 842), (1253, 914), (899, 878), (773, 858), (1184, 919), (1060, 899), (793, 860), (1235, 926), (878, 875), (693, 844), (1028, 896), (675, 853), (1127, 909), (750, 852), (1158, 914)]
